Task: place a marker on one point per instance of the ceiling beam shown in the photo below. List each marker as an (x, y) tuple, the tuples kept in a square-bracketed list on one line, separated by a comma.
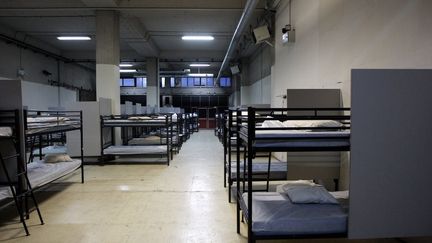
[(137, 37), (101, 3)]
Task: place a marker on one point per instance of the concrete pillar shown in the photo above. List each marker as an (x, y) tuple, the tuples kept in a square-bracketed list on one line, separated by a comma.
[(236, 80), (152, 68), (244, 82), (108, 57)]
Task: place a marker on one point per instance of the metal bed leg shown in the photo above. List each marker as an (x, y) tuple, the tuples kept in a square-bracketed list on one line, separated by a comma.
[(268, 172), (238, 216), (336, 183)]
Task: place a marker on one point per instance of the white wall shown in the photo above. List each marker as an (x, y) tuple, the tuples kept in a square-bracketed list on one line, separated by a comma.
[(40, 97), (334, 36), (257, 93), (12, 58)]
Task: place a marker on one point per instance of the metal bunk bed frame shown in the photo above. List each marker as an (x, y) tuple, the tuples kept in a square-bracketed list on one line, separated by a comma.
[(249, 140)]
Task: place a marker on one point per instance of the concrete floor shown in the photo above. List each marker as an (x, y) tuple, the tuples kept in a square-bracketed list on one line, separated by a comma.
[(185, 202)]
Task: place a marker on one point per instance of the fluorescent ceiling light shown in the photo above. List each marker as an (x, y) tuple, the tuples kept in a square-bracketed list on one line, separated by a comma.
[(198, 37), (125, 65), (73, 38), (128, 70), (199, 65), (200, 74)]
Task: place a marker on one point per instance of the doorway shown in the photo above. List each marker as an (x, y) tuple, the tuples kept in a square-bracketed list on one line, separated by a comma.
[(206, 117)]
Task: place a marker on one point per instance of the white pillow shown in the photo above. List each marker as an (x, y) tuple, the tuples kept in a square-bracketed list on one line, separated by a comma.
[(282, 188), (54, 158), (327, 123), (5, 131), (310, 194), (272, 123)]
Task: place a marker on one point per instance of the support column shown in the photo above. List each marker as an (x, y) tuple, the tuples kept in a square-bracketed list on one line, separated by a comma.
[(108, 57), (236, 80), (152, 68), (244, 82)]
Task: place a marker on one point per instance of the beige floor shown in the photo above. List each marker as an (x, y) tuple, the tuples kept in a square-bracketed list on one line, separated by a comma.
[(185, 202)]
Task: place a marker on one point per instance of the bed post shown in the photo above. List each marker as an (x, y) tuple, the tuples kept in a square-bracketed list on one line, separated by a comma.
[(102, 140), (82, 147), (167, 139), (251, 139), (230, 122), (238, 191), (224, 137)]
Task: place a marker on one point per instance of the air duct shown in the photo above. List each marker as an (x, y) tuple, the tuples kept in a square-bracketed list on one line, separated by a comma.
[(244, 19)]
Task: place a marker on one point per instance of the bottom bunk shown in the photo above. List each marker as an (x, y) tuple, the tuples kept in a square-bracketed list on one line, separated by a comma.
[(297, 209), (4, 192), (41, 173), (278, 171), (274, 214), (136, 150)]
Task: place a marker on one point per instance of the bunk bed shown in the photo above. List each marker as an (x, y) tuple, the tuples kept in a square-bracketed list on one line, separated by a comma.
[(262, 171), (150, 125), (14, 181), (258, 208), (39, 128)]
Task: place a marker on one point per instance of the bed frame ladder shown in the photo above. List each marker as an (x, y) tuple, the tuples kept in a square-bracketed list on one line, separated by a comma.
[(18, 197)]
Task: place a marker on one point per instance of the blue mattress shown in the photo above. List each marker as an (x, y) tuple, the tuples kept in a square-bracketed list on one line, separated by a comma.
[(278, 170), (274, 214), (299, 138)]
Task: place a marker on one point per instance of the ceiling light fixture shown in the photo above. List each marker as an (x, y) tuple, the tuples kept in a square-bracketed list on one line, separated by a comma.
[(125, 65), (128, 70), (200, 74), (198, 37), (199, 65), (73, 38)]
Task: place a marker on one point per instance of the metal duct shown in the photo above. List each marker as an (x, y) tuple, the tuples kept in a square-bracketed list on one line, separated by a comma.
[(244, 19)]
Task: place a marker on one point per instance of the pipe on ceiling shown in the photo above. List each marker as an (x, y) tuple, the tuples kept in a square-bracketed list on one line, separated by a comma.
[(244, 19), (55, 56)]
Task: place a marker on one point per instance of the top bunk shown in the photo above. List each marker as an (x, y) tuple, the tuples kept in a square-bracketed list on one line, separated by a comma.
[(48, 122), (295, 129), (154, 120), (9, 123)]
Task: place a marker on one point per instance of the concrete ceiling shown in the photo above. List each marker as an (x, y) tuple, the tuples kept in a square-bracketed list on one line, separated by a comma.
[(147, 28)]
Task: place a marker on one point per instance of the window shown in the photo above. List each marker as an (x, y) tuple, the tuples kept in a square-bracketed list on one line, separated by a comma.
[(197, 81), (141, 82), (127, 82), (225, 82), (163, 82), (172, 82), (184, 82), (190, 82), (210, 82)]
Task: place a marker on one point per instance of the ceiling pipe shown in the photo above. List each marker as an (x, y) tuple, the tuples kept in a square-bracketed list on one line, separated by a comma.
[(244, 19), (36, 49)]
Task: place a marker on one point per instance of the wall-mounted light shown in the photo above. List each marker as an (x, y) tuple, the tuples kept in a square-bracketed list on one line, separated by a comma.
[(125, 65), (200, 74), (72, 38), (288, 34), (198, 37), (128, 70), (199, 65)]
